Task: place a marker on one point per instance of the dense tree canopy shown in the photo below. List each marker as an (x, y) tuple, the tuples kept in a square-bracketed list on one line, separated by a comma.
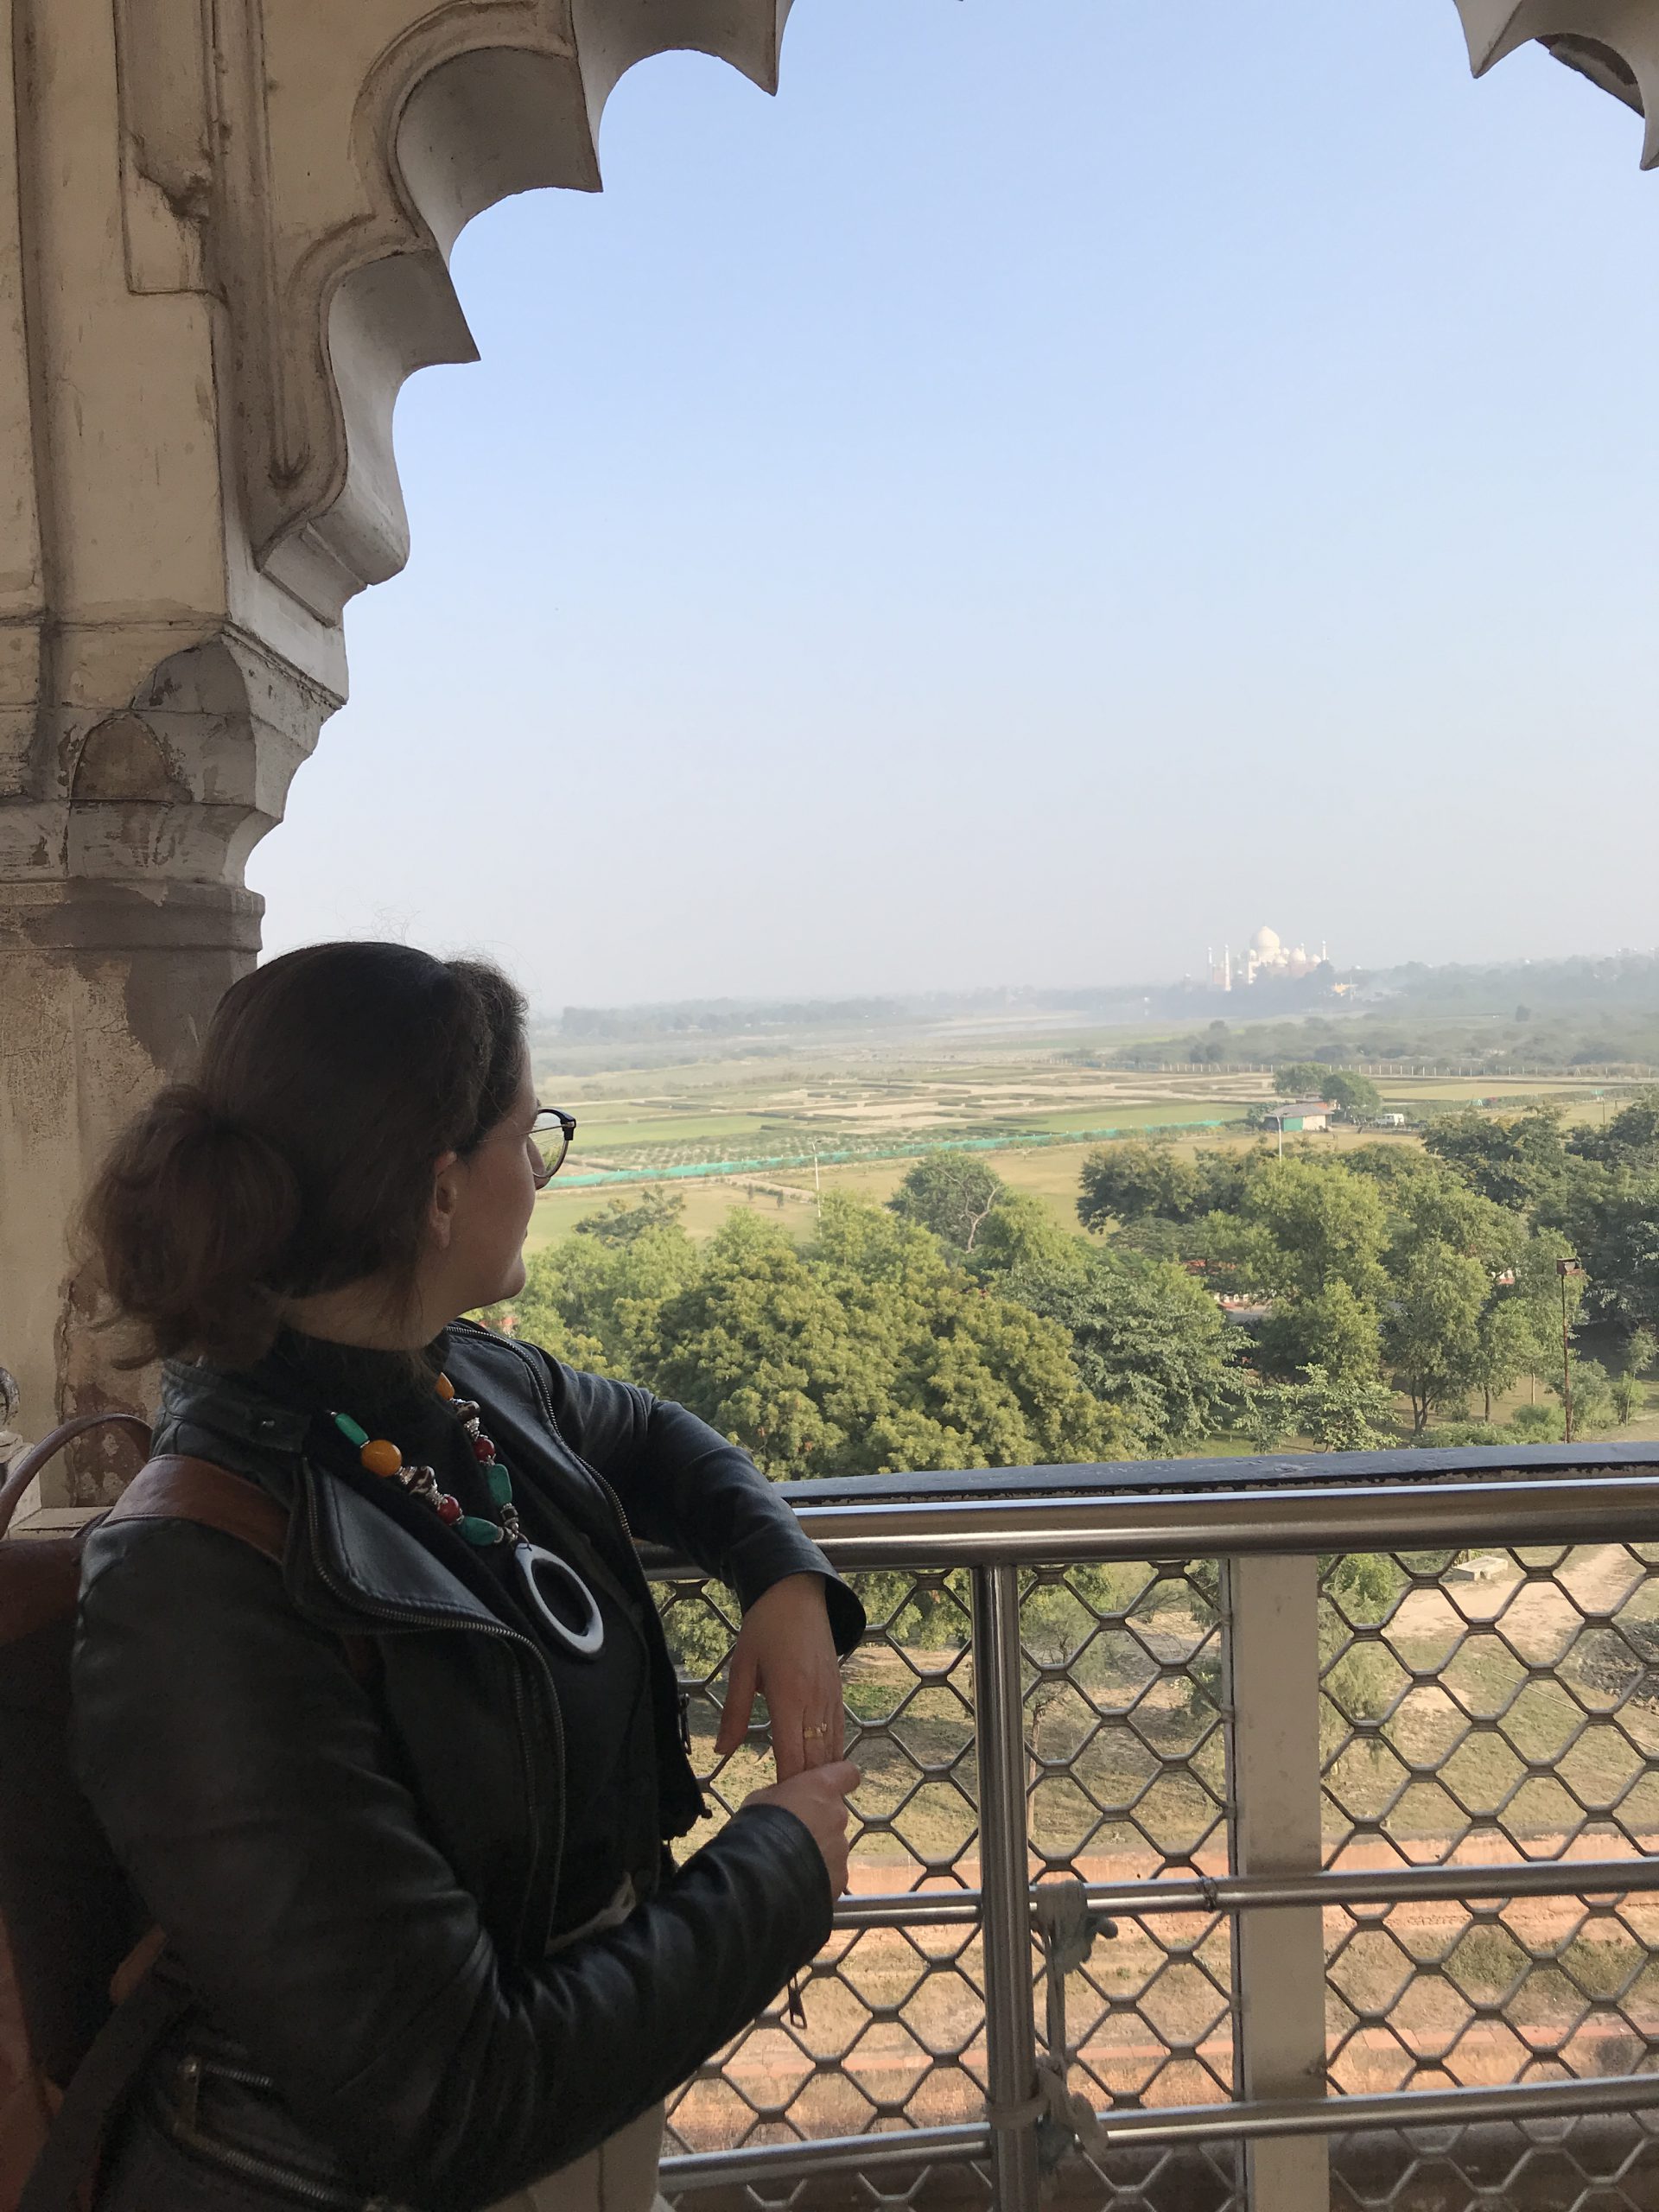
[(1513, 1159), (964, 1325), (1148, 1339), (866, 1351)]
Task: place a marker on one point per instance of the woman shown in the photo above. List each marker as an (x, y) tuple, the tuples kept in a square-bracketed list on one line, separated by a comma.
[(403, 1808)]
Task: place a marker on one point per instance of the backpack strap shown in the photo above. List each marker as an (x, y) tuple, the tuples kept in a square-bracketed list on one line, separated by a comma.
[(119, 2052), (172, 1488), (147, 2001), (23, 1471)]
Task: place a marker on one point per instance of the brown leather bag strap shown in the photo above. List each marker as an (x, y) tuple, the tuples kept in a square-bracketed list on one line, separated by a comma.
[(25, 1471), (176, 1489), (171, 1488)]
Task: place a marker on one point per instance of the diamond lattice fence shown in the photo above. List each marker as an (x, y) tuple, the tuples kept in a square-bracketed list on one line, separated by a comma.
[(1584, 2165), (1481, 1709), (1473, 1710), (1126, 1764)]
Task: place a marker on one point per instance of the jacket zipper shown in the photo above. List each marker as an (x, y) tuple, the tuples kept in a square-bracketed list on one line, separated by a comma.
[(181, 2127), (526, 1754)]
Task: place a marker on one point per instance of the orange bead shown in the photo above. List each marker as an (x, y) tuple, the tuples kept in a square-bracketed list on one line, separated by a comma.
[(381, 1457), (445, 1387)]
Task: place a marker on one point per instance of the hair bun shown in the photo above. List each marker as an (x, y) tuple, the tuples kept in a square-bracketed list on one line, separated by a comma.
[(194, 1214)]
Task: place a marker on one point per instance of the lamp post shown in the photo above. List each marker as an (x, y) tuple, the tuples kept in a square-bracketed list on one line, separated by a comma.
[(1564, 1268)]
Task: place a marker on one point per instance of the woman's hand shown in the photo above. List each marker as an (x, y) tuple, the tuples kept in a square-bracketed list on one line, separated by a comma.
[(818, 1800), (784, 1650)]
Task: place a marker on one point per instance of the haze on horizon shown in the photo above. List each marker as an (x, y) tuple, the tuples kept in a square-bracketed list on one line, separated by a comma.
[(1025, 510)]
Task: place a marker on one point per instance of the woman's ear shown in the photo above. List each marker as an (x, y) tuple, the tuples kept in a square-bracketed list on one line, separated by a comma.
[(445, 1196)]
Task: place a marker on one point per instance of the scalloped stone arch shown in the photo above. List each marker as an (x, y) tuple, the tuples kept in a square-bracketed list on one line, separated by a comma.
[(475, 100), (466, 106), (1615, 43)]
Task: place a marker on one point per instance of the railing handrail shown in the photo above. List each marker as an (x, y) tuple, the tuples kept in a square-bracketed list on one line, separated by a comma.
[(1273, 1469), (1614, 1505), (1330, 1890)]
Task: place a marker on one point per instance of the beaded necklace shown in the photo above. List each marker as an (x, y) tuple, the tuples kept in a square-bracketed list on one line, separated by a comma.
[(382, 1458)]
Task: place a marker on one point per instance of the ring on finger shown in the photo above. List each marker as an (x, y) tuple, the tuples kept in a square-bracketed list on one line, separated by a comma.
[(810, 1734)]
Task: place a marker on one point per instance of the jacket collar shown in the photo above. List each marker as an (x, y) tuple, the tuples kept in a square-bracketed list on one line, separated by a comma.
[(360, 1556)]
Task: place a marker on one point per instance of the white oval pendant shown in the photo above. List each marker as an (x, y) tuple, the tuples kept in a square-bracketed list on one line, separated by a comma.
[(584, 1642)]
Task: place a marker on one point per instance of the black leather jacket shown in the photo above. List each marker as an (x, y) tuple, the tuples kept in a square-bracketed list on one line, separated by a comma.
[(358, 1878)]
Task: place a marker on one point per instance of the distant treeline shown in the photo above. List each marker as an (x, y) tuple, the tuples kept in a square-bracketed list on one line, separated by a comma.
[(722, 1018), (1577, 1012), (1107, 1003), (1527, 1014)]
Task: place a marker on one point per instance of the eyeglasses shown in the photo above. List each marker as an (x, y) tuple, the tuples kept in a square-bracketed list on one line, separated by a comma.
[(550, 1135)]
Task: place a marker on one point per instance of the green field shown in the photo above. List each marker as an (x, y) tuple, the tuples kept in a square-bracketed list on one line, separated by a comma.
[(599, 1131), (1014, 1105)]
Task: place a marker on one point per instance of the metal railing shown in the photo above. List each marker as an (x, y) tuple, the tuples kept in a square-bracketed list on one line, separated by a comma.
[(1378, 1823)]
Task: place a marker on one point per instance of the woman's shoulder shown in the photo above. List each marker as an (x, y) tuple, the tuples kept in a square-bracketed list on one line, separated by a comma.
[(475, 1358), (595, 1414)]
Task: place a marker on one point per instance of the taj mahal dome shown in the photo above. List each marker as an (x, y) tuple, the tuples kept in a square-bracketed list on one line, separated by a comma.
[(1266, 955)]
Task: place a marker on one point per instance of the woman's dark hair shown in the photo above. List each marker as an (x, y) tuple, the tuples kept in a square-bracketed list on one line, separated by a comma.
[(299, 1158)]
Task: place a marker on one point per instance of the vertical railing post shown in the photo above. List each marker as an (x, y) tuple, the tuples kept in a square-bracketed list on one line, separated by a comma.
[(1005, 1885), (1273, 1673)]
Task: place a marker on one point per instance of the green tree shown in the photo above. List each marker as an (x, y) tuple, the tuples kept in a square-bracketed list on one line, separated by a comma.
[(1437, 1209), (621, 1220), (1133, 1179), (1431, 1333), (1629, 1396), (1537, 1424), (765, 1353), (1334, 1413), (1149, 1341), (1301, 1079), (1388, 1164), (1356, 1097), (1629, 1141), (1612, 1220), (1516, 1160), (1021, 1233), (1506, 1348), (953, 1193), (1332, 1328), (1309, 1224), (1593, 1403), (976, 1377), (595, 1298)]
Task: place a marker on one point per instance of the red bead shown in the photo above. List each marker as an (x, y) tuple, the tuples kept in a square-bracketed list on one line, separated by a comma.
[(483, 1449), (449, 1508)]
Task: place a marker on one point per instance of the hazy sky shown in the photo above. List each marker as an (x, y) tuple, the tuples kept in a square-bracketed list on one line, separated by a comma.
[(1067, 482)]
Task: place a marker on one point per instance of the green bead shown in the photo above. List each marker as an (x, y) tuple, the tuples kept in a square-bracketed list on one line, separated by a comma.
[(349, 1429), (477, 1530), (500, 1482)]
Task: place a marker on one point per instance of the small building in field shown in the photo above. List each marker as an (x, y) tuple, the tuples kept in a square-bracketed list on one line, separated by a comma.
[(1308, 1114)]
